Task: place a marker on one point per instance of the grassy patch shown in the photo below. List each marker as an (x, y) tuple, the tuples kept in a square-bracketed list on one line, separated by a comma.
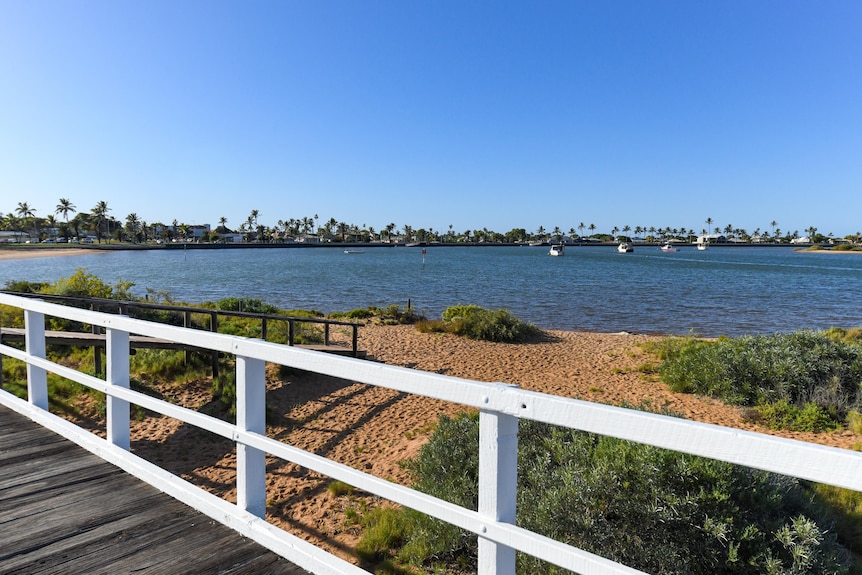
[(339, 488)]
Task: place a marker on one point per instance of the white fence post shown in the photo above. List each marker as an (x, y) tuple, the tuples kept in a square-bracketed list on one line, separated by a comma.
[(498, 486), (117, 373), (34, 342), (251, 416)]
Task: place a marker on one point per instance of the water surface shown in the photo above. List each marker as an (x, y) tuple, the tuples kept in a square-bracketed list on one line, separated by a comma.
[(726, 290)]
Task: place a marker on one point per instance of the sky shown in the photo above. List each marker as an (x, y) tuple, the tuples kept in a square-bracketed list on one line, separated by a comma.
[(440, 113)]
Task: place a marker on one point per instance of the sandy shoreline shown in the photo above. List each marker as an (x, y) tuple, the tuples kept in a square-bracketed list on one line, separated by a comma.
[(375, 429), (24, 253)]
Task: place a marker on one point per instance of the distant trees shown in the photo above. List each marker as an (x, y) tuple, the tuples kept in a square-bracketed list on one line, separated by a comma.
[(100, 214), (65, 207), (25, 212), (98, 222), (133, 227)]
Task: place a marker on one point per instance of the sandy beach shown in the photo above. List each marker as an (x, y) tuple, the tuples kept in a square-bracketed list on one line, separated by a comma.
[(22, 253), (375, 429)]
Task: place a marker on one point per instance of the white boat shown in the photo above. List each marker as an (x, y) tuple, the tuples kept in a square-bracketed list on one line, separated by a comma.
[(702, 246), (668, 248), (557, 250), (625, 248)]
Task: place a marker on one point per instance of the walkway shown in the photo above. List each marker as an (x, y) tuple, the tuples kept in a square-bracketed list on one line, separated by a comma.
[(64, 510)]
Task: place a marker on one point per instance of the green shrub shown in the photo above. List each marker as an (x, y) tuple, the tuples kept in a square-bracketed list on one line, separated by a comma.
[(389, 315), (384, 530), (246, 304), (852, 335), (800, 368), (475, 322), (846, 504), (21, 286), (782, 415), (655, 510), (83, 284)]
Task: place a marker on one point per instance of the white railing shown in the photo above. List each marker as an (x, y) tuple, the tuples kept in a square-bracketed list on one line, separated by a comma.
[(500, 405)]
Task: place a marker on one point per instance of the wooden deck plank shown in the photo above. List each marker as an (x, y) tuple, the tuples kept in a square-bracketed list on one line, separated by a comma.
[(63, 510)]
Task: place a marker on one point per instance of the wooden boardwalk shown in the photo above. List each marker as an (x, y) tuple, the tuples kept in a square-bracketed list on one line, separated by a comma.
[(63, 510)]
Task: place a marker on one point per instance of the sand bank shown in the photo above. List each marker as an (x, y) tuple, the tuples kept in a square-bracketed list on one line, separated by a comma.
[(21, 253)]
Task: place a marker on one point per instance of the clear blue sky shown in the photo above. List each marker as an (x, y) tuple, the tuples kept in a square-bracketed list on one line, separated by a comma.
[(431, 113)]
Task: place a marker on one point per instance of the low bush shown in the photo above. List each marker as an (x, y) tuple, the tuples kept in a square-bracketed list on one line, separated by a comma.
[(655, 510), (83, 284), (479, 323), (246, 304), (809, 417), (22, 286), (389, 315), (799, 368)]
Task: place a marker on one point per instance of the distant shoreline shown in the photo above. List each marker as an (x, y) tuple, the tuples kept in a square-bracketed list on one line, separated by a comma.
[(16, 251), (35, 252)]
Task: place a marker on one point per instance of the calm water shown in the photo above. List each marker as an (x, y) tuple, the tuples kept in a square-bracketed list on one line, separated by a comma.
[(731, 291)]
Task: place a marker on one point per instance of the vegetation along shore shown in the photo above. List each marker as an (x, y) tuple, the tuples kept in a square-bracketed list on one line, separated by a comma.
[(690, 515), (66, 223)]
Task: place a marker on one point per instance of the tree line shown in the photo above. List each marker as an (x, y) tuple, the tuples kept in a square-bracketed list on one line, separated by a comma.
[(67, 223)]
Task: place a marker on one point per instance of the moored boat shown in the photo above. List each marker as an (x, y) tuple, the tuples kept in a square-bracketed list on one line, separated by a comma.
[(557, 250), (625, 248)]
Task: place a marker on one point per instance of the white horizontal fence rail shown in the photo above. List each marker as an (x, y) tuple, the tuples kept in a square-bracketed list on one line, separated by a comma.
[(501, 406)]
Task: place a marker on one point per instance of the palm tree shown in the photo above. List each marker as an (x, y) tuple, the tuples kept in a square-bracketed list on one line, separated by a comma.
[(25, 212), (80, 220), (133, 226), (811, 231), (13, 223), (592, 228), (65, 207), (709, 224), (50, 223), (100, 213)]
